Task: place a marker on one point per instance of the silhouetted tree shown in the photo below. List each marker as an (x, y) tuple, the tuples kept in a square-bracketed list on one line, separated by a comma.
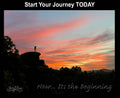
[(76, 69), (12, 64), (9, 46)]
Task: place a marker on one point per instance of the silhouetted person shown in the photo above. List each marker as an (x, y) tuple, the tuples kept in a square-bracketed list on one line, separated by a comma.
[(35, 48)]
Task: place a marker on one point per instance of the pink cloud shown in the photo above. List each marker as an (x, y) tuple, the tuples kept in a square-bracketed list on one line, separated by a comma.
[(51, 30)]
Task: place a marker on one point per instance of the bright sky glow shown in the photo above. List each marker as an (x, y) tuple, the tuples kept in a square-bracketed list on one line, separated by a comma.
[(65, 38)]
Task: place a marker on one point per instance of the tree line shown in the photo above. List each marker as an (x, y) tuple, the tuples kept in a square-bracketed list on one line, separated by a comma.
[(16, 73)]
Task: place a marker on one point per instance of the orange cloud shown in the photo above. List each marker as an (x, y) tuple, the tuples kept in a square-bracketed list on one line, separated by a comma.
[(70, 54), (86, 62)]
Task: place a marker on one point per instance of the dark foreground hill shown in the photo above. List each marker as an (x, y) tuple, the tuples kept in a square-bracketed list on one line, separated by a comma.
[(27, 74)]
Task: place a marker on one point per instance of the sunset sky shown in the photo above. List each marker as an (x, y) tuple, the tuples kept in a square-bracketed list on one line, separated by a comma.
[(65, 38)]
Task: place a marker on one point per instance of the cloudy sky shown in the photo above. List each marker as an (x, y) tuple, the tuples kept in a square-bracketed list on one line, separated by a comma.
[(65, 38)]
